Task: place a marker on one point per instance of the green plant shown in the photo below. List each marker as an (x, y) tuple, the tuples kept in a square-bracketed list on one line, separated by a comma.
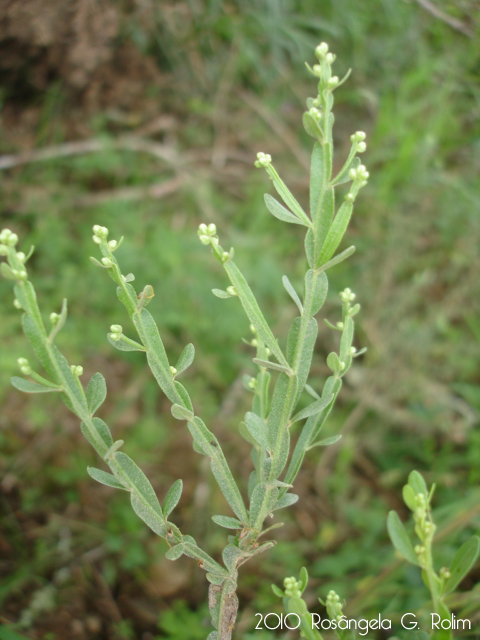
[(274, 406), (442, 623)]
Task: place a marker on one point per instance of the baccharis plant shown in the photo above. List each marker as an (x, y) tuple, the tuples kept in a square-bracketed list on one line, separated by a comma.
[(282, 372)]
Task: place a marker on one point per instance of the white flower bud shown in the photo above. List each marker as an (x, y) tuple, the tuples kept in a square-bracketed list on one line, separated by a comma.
[(340, 324), (54, 317), (317, 70), (315, 113), (352, 174), (97, 239), (20, 256), (77, 370), (3, 250), (16, 304), (254, 343), (26, 370), (115, 337), (321, 50), (107, 262), (361, 147), (212, 229), (360, 136), (173, 371), (232, 291), (252, 329), (202, 228), (225, 257), (205, 239), (22, 362), (113, 244), (12, 240), (252, 384), (350, 198), (352, 351), (263, 160), (332, 82), (101, 232), (330, 58)]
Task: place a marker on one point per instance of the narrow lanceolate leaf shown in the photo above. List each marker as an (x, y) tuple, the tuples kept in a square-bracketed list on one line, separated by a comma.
[(262, 503), (317, 180), (347, 338), (105, 478), (324, 222), (144, 499), (326, 442), (98, 435), (292, 293), (208, 444), (335, 234), (400, 539), (257, 428), (313, 408), (186, 358), (172, 498), (156, 355), (279, 211), (76, 399), (227, 522), (27, 386), (300, 345), (316, 289), (252, 310), (96, 392), (288, 198), (462, 562), (286, 500), (272, 365), (230, 556), (339, 258)]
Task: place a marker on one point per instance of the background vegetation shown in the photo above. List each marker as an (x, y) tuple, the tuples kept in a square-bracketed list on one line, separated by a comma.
[(151, 115)]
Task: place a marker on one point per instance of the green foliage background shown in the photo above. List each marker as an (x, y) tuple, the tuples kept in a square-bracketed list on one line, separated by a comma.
[(234, 84)]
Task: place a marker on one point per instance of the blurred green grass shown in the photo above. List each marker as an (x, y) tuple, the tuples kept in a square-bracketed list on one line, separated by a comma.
[(236, 86)]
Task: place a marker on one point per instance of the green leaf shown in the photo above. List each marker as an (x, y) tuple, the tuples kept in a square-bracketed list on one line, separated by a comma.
[(316, 284), (186, 358), (252, 310), (326, 442), (409, 497), (278, 592), (335, 233), (208, 444), (105, 478), (316, 180), (257, 428), (400, 539), (288, 198), (280, 212), (258, 505), (310, 248), (8, 634), (98, 435), (156, 355), (303, 579), (181, 413), (418, 484), (172, 498), (286, 501), (175, 552), (324, 223), (462, 562), (7, 271), (313, 408), (300, 355), (183, 393), (272, 365), (96, 392), (144, 492), (27, 386), (339, 258), (292, 293), (311, 126), (333, 363), (230, 556), (220, 293), (227, 522), (125, 344)]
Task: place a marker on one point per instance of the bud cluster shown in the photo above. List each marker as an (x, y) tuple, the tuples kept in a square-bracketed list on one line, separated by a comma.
[(207, 234), (292, 587), (8, 238), (25, 367), (334, 608), (263, 160), (116, 332)]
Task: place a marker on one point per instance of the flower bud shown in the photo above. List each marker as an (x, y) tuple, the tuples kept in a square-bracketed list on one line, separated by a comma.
[(212, 229), (54, 317), (107, 262), (20, 256), (254, 343), (16, 304), (232, 291), (204, 239), (116, 328), (77, 370), (350, 198), (3, 250), (322, 50), (173, 371), (263, 160), (202, 228), (113, 244), (330, 58), (361, 147), (332, 82)]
